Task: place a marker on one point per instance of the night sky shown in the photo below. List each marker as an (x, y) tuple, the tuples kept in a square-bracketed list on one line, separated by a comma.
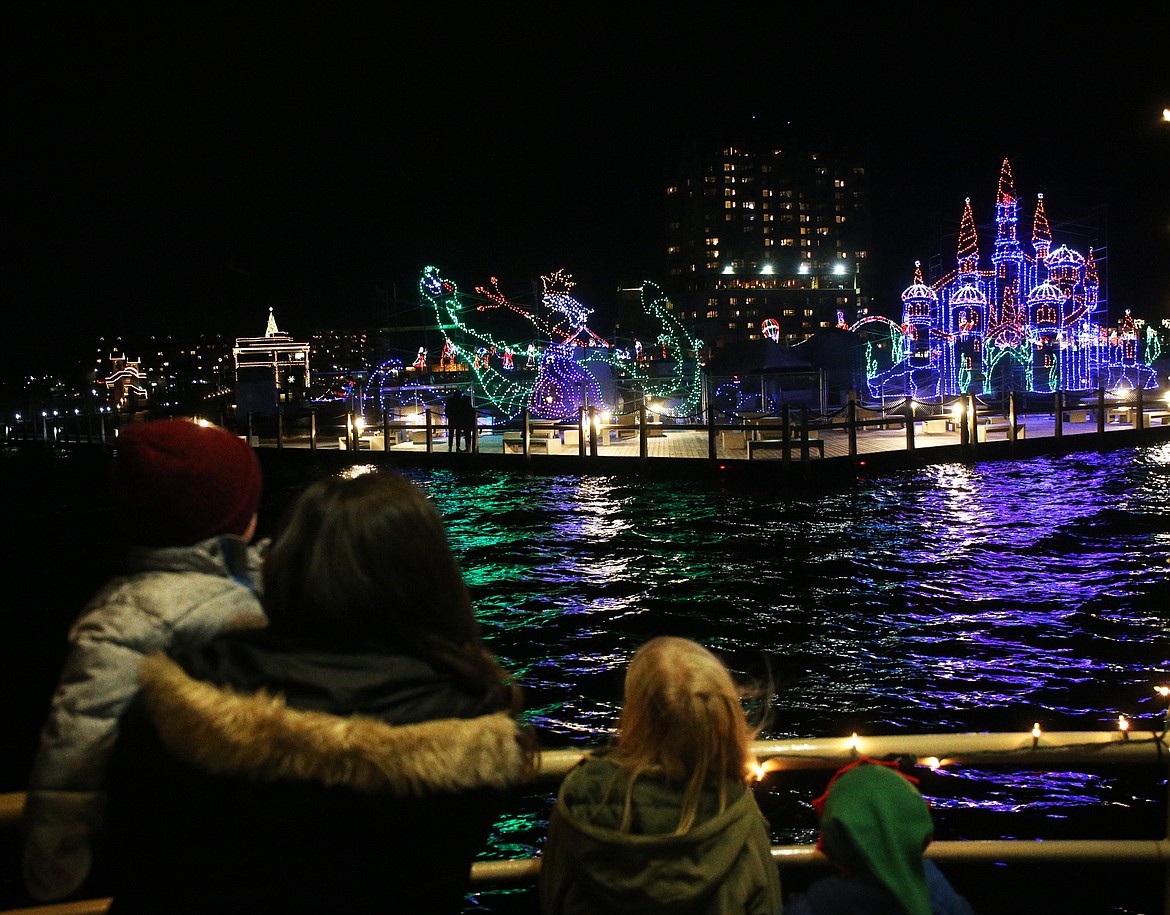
[(175, 169)]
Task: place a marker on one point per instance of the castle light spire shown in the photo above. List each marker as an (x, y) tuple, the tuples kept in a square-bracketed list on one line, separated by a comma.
[(1092, 280), (271, 330), (1041, 231), (1007, 243), (968, 252), (1006, 193)]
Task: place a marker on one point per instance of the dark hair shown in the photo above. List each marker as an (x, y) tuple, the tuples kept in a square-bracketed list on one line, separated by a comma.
[(366, 558)]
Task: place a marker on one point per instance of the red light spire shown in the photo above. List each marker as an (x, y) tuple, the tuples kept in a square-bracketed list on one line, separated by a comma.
[(968, 241), (1007, 187), (1041, 232)]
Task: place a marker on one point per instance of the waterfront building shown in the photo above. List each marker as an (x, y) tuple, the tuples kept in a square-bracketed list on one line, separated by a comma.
[(1033, 320), (167, 373), (271, 372), (125, 383), (769, 241)]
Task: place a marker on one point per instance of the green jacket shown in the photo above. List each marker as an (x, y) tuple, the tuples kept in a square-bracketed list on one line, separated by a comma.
[(722, 865)]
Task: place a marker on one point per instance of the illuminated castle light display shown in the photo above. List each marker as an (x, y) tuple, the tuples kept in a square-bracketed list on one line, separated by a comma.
[(1032, 322), (516, 360)]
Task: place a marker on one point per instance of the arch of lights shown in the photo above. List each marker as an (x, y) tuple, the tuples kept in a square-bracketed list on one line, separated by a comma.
[(554, 371), (1031, 322)]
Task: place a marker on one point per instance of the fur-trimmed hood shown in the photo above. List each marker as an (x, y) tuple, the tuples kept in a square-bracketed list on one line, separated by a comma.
[(258, 736)]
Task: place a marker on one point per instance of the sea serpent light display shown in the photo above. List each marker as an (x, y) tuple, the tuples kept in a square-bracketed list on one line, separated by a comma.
[(558, 366)]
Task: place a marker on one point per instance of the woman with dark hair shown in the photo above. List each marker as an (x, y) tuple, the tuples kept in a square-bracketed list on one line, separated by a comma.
[(351, 756)]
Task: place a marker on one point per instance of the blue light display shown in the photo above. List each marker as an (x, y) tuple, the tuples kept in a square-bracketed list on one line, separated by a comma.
[(1032, 322)]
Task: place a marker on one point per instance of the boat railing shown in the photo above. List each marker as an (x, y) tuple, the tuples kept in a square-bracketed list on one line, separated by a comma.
[(1030, 750)]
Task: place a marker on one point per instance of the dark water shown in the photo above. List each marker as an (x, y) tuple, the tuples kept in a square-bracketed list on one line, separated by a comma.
[(955, 598)]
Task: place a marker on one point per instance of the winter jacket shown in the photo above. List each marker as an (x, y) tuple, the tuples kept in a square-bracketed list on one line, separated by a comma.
[(170, 595), (255, 775), (864, 895), (874, 825), (723, 864)]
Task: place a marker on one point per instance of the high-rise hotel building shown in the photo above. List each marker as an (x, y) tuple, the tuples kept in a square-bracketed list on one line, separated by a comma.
[(768, 241)]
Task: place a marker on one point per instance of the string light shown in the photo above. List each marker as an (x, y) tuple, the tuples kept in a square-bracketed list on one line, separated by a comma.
[(565, 378), (1034, 315)]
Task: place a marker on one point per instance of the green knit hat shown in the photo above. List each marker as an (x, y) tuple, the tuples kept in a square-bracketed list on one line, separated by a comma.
[(874, 821)]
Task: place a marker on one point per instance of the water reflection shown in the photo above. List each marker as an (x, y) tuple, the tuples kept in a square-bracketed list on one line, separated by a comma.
[(957, 597)]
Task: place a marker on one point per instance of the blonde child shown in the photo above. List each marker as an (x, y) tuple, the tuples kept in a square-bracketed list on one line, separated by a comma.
[(666, 820)]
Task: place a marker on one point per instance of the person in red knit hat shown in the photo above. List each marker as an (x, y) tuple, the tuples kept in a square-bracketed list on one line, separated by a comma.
[(186, 496)]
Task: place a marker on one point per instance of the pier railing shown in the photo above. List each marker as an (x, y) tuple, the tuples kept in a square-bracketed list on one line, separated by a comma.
[(1031, 751), (967, 420)]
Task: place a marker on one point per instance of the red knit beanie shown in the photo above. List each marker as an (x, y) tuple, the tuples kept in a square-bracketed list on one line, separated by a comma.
[(175, 482)]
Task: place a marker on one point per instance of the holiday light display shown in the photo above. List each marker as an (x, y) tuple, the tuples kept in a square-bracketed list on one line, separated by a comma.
[(567, 364), (731, 397), (1032, 322), (125, 381)]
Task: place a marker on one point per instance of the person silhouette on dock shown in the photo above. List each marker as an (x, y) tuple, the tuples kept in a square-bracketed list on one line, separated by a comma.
[(460, 416)]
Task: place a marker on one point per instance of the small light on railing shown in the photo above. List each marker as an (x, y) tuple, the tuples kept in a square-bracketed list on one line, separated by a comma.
[(1123, 726), (1036, 734), (1163, 691), (932, 762), (758, 771), (855, 743)]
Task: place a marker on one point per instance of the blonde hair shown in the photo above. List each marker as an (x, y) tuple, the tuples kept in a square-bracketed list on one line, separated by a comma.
[(682, 721)]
